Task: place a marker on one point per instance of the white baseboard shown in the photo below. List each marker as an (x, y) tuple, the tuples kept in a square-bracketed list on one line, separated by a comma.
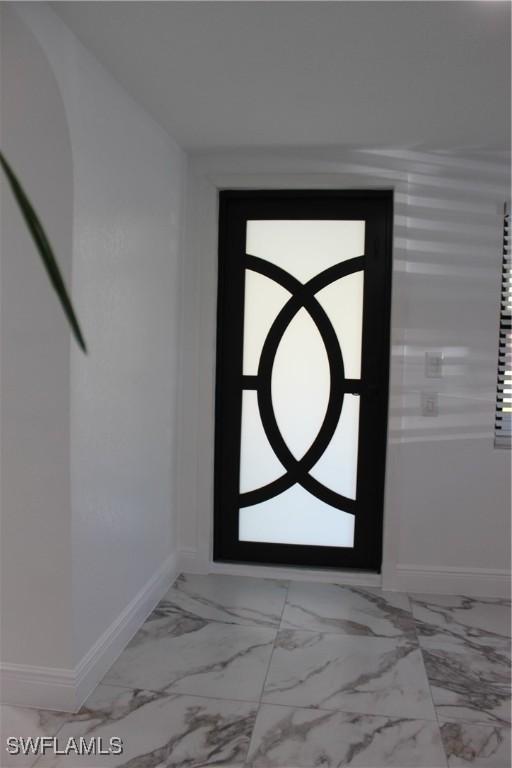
[(478, 582), (41, 687), (452, 580), (66, 689)]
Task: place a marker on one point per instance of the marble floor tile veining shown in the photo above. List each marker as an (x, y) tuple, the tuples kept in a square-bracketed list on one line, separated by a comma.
[(305, 738), (211, 659), (258, 673), (348, 610), (158, 731), (472, 744), (235, 600), (468, 681), (483, 621), (371, 675)]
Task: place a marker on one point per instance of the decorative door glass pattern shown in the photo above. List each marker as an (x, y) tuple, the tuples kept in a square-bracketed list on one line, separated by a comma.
[(296, 376), (299, 438)]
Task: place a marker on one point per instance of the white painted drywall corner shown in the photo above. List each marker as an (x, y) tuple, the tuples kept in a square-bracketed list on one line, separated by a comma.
[(100, 530)]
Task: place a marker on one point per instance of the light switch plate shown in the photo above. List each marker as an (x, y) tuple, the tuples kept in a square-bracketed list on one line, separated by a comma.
[(433, 365), (429, 404)]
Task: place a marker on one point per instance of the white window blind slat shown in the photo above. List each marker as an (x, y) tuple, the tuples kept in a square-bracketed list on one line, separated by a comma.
[(503, 418)]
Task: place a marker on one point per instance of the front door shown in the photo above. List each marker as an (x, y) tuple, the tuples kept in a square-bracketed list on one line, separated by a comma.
[(302, 377)]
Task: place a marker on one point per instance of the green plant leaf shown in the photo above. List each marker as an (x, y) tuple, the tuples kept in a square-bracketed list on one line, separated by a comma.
[(44, 249)]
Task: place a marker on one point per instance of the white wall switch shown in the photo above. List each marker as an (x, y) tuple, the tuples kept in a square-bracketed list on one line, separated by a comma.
[(433, 365), (429, 404)]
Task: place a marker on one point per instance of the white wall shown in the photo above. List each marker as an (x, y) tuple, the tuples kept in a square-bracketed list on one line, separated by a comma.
[(35, 362), (447, 502), (111, 527)]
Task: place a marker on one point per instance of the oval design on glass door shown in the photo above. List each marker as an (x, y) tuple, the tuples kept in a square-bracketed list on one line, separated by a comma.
[(302, 297)]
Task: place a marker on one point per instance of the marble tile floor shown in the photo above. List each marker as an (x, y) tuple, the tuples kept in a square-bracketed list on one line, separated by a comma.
[(256, 673)]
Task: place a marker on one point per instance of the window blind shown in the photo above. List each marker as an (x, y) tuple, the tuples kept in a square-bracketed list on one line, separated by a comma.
[(503, 422)]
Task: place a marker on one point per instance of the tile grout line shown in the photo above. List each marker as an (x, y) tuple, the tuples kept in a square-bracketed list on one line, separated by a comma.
[(181, 694), (411, 603), (334, 712), (259, 702), (420, 648), (259, 705), (274, 642)]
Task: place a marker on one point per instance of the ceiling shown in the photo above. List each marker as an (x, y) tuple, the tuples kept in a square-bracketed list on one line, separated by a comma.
[(247, 74)]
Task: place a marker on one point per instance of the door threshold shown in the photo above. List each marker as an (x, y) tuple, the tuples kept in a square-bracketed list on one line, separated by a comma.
[(296, 573)]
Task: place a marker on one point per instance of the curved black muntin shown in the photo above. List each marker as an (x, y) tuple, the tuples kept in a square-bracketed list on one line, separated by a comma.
[(302, 296), (236, 207)]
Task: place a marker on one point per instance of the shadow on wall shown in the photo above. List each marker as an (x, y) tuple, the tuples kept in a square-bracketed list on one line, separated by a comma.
[(450, 228)]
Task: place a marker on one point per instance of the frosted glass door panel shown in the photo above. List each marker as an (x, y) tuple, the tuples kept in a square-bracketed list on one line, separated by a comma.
[(305, 248), (303, 319), (343, 302), (300, 384), (263, 300), (258, 463), (337, 467), (297, 517)]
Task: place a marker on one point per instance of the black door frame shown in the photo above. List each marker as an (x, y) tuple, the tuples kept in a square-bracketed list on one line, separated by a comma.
[(235, 208)]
